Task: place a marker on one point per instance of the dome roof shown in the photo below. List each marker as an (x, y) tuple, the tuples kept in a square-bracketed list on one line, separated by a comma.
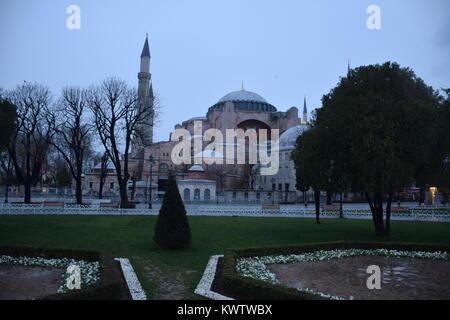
[(289, 137), (244, 100), (198, 118), (243, 95), (197, 168)]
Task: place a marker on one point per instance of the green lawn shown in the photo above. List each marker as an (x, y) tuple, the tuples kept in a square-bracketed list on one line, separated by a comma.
[(175, 274)]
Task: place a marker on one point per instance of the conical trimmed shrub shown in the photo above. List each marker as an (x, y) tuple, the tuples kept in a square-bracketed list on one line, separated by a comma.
[(172, 227)]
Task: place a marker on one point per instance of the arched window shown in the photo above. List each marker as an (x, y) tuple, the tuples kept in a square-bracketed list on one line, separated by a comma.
[(207, 195), (197, 194), (163, 168), (187, 194)]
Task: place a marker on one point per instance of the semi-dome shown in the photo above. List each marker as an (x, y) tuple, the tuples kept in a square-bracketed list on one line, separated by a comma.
[(289, 137)]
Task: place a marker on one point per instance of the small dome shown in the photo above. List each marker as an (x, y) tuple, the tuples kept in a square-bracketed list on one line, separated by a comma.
[(289, 137), (198, 118), (243, 95), (196, 168)]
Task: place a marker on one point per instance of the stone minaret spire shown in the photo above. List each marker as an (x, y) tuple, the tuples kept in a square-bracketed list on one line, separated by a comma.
[(144, 129), (305, 112)]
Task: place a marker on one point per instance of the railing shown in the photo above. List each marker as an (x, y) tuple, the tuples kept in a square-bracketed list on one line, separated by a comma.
[(297, 211)]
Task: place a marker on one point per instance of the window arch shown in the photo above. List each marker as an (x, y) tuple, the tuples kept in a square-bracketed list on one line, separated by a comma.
[(197, 194), (187, 194), (207, 195)]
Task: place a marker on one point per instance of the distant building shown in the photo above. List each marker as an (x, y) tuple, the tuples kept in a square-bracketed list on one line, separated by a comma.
[(240, 109), (196, 187)]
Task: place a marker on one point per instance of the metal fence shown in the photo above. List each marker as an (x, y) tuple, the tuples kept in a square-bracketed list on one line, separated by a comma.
[(294, 211)]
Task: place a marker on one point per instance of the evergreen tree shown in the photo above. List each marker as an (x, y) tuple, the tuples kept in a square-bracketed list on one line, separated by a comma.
[(379, 124), (172, 227)]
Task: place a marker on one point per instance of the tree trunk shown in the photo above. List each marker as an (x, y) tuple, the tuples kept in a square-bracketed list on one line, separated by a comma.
[(317, 204), (6, 192), (421, 195), (329, 195), (78, 191), (304, 199), (123, 194), (133, 189), (376, 206), (100, 190), (27, 195), (387, 230)]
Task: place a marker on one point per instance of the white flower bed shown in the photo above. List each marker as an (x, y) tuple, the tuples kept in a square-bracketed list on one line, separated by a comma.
[(90, 271), (255, 267), (137, 293)]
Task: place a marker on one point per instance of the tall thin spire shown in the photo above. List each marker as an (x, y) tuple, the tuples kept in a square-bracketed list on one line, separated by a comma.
[(242, 86), (146, 49), (348, 67), (305, 111), (144, 129)]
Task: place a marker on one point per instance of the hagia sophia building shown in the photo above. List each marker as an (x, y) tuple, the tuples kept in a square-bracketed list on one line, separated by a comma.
[(151, 161)]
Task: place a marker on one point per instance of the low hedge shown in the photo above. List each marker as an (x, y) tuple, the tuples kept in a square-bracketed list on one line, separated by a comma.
[(110, 286), (253, 289)]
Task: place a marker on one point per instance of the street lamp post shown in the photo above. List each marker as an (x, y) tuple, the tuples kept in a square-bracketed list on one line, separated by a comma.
[(150, 194)]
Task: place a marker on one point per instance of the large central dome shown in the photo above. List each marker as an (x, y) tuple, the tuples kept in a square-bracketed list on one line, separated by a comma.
[(243, 95), (244, 100)]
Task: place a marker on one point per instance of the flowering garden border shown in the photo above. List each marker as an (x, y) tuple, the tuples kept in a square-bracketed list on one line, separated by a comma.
[(110, 285), (90, 271), (205, 284), (134, 286), (235, 283)]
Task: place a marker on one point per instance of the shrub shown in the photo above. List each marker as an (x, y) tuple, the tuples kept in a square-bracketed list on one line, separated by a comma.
[(172, 227)]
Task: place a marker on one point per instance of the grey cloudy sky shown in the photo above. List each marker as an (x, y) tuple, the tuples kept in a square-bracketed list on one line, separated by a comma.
[(203, 49)]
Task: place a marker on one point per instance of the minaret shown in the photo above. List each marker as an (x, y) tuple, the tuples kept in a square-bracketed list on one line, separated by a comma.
[(144, 129), (305, 112)]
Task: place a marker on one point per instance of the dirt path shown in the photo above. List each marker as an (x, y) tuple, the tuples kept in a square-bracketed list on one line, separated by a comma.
[(402, 278), (28, 283)]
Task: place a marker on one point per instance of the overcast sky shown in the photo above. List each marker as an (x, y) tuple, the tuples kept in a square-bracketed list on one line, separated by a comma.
[(203, 49)]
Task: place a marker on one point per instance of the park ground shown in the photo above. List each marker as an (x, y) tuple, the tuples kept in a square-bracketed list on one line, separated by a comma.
[(175, 274)]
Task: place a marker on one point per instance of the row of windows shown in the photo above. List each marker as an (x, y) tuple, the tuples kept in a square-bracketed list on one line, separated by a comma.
[(258, 195), (248, 105), (187, 194), (280, 186)]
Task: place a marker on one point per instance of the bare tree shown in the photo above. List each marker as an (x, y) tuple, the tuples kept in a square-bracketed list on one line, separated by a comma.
[(32, 137), (116, 115), (104, 160), (73, 133)]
